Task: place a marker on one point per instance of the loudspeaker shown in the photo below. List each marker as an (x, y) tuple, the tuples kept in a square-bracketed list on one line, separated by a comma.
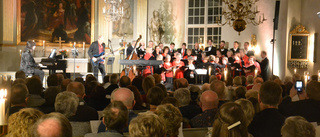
[(276, 15)]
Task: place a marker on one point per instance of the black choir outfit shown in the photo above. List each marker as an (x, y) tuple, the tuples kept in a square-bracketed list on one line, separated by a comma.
[(211, 50), (235, 50)]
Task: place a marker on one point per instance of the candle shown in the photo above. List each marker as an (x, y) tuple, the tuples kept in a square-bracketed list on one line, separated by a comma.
[(318, 75), (225, 74), (84, 46), (32, 40), (3, 95), (295, 70), (43, 44), (209, 70), (74, 43), (134, 69), (255, 72), (104, 10), (20, 51), (174, 71)]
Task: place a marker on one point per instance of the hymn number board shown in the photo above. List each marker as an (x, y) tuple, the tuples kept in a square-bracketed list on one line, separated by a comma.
[(299, 43)]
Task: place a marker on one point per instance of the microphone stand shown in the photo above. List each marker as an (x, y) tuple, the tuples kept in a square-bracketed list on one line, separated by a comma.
[(75, 53)]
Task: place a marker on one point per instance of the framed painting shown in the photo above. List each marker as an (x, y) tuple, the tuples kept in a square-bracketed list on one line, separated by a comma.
[(298, 44), (55, 21)]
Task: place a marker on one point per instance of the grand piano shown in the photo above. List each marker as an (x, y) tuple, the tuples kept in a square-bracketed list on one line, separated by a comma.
[(53, 63)]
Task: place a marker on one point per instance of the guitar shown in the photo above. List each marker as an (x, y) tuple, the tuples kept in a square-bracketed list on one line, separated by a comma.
[(100, 57)]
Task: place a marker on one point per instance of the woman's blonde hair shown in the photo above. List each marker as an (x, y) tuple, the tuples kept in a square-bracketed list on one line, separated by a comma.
[(247, 108), (20, 123), (172, 118), (147, 124)]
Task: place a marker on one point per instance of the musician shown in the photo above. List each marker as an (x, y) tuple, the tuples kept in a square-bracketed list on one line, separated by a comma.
[(148, 56), (96, 49), (210, 50), (178, 64), (171, 49), (168, 67), (130, 48), (235, 48), (183, 49), (141, 50), (222, 48), (28, 65), (158, 68), (256, 64), (190, 71)]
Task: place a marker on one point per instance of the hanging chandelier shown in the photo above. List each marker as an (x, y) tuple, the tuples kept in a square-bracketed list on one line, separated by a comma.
[(239, 13), (113, 10)]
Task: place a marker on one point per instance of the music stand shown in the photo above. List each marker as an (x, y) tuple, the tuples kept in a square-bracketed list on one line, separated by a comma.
[(110, 62)]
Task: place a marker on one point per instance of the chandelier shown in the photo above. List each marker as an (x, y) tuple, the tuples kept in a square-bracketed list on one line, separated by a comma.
[(113, 10), (240, 13)]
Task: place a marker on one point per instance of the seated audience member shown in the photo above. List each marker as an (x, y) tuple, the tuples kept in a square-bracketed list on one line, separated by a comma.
[(115, 118), (89, 78), (195, 93), (252, 94), (157, 78), (60, 78), (219, 87), (66, 103), (209, 102), (255, 104), (154, 97), (65, 83), (126, 96), (84, 112), (19, 93), (170, 100), (53, 80), (241, 92), (99, 98), (288, 84), (183, 97), (250, 82), (19, 81), (19, 123), (106, 82), (137, 81), (164, 89), (35, 90), (230, 121), (308, 106), (20, 74), (52, 125), (124, 81), (147, 125), (296, 126), (137, 97), (172, 118), (50, 96), (247, 108), (114, 79), (258, 80), (180, 83), (243, 81), (268, 122), (147, 83), (79, 79), (212, 78), (205, 87)]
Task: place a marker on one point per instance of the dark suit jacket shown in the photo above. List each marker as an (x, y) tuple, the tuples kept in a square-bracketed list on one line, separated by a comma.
[(267, 123), (211, 52), (196, 52), (235, 51), (185, 52), (224, 52), (264, 66), (309, 109), (171, 52), (190, 111), (141, 52), (84, 113), (27, 64), (94, 49)]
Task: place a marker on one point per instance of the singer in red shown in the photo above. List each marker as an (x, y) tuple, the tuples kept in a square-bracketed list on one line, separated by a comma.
[(96, 52)]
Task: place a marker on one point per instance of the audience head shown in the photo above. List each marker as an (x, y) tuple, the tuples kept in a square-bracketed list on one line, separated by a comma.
[(50, 95), (247, 108), (194, 92), (53, 80), (77, 88), (243, 80), (218, 87), (137, 96), (164, 89), (257, 87), (60, 78), (313, 90), (170, 100), (241, 92), (255, 104), (124, 95), (258, 80), (115, 116), (212, 78), (20, 122), (106, 78), (205, 87), (90, 78), (172, 118), (237, 81), (250, 79), (180, 83), (52, 125), (79, 79), (137, 81), (20, 74), (124, 81), (19, 93), (147, 124), (66, 103), (270, 94), (114, 79), (34, 86), (183, 96), (209, 100), (157, 78), (297, 126), (19, 81), (155, 96), (252, 94), (65, 83), (230, 114), (147, 83)]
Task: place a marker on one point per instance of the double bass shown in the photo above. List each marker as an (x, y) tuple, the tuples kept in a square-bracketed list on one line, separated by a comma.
[(133, 56)]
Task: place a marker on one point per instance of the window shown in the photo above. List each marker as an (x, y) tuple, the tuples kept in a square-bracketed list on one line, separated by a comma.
[(202, 21)]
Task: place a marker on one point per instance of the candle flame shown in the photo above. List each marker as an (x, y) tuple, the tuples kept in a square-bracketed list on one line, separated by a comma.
[(3, 93)]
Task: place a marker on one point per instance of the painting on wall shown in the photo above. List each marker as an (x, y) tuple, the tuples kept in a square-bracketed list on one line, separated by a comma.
[(162, 20), (124, 26), (51, 19)]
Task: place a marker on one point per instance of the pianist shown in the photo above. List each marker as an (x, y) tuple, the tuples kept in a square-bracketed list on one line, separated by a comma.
[(28, 65)]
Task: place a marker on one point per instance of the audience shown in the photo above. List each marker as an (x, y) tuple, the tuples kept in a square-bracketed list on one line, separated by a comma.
[(219, 88), (154, 97), (65, 83), (139, 105), (297, 126), (20, 74), (170, 100), (106, 82), (147, 124), (247, 108), (19, 93), (241, 92), (66, 103), (188, 111), (50, 96), (268, 122), (20, 123), (35, 91), (114, 79), (52, 125), (53, 80), (172, 118), (180, 83), (209, 102), (124, 81)]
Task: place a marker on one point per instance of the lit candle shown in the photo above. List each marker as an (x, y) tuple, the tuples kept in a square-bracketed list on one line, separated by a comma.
[(104, 10), (32, 40), (84, 46), (318, 75), (209, 70), (295, 70), (74, 43), (174, 71), (255, 72), (225, 73), (43, 44), (20, 51), (134, 69), (3, 95)]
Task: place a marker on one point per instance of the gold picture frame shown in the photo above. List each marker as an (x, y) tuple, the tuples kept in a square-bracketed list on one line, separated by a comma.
[(299, 42), (55, 44)]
